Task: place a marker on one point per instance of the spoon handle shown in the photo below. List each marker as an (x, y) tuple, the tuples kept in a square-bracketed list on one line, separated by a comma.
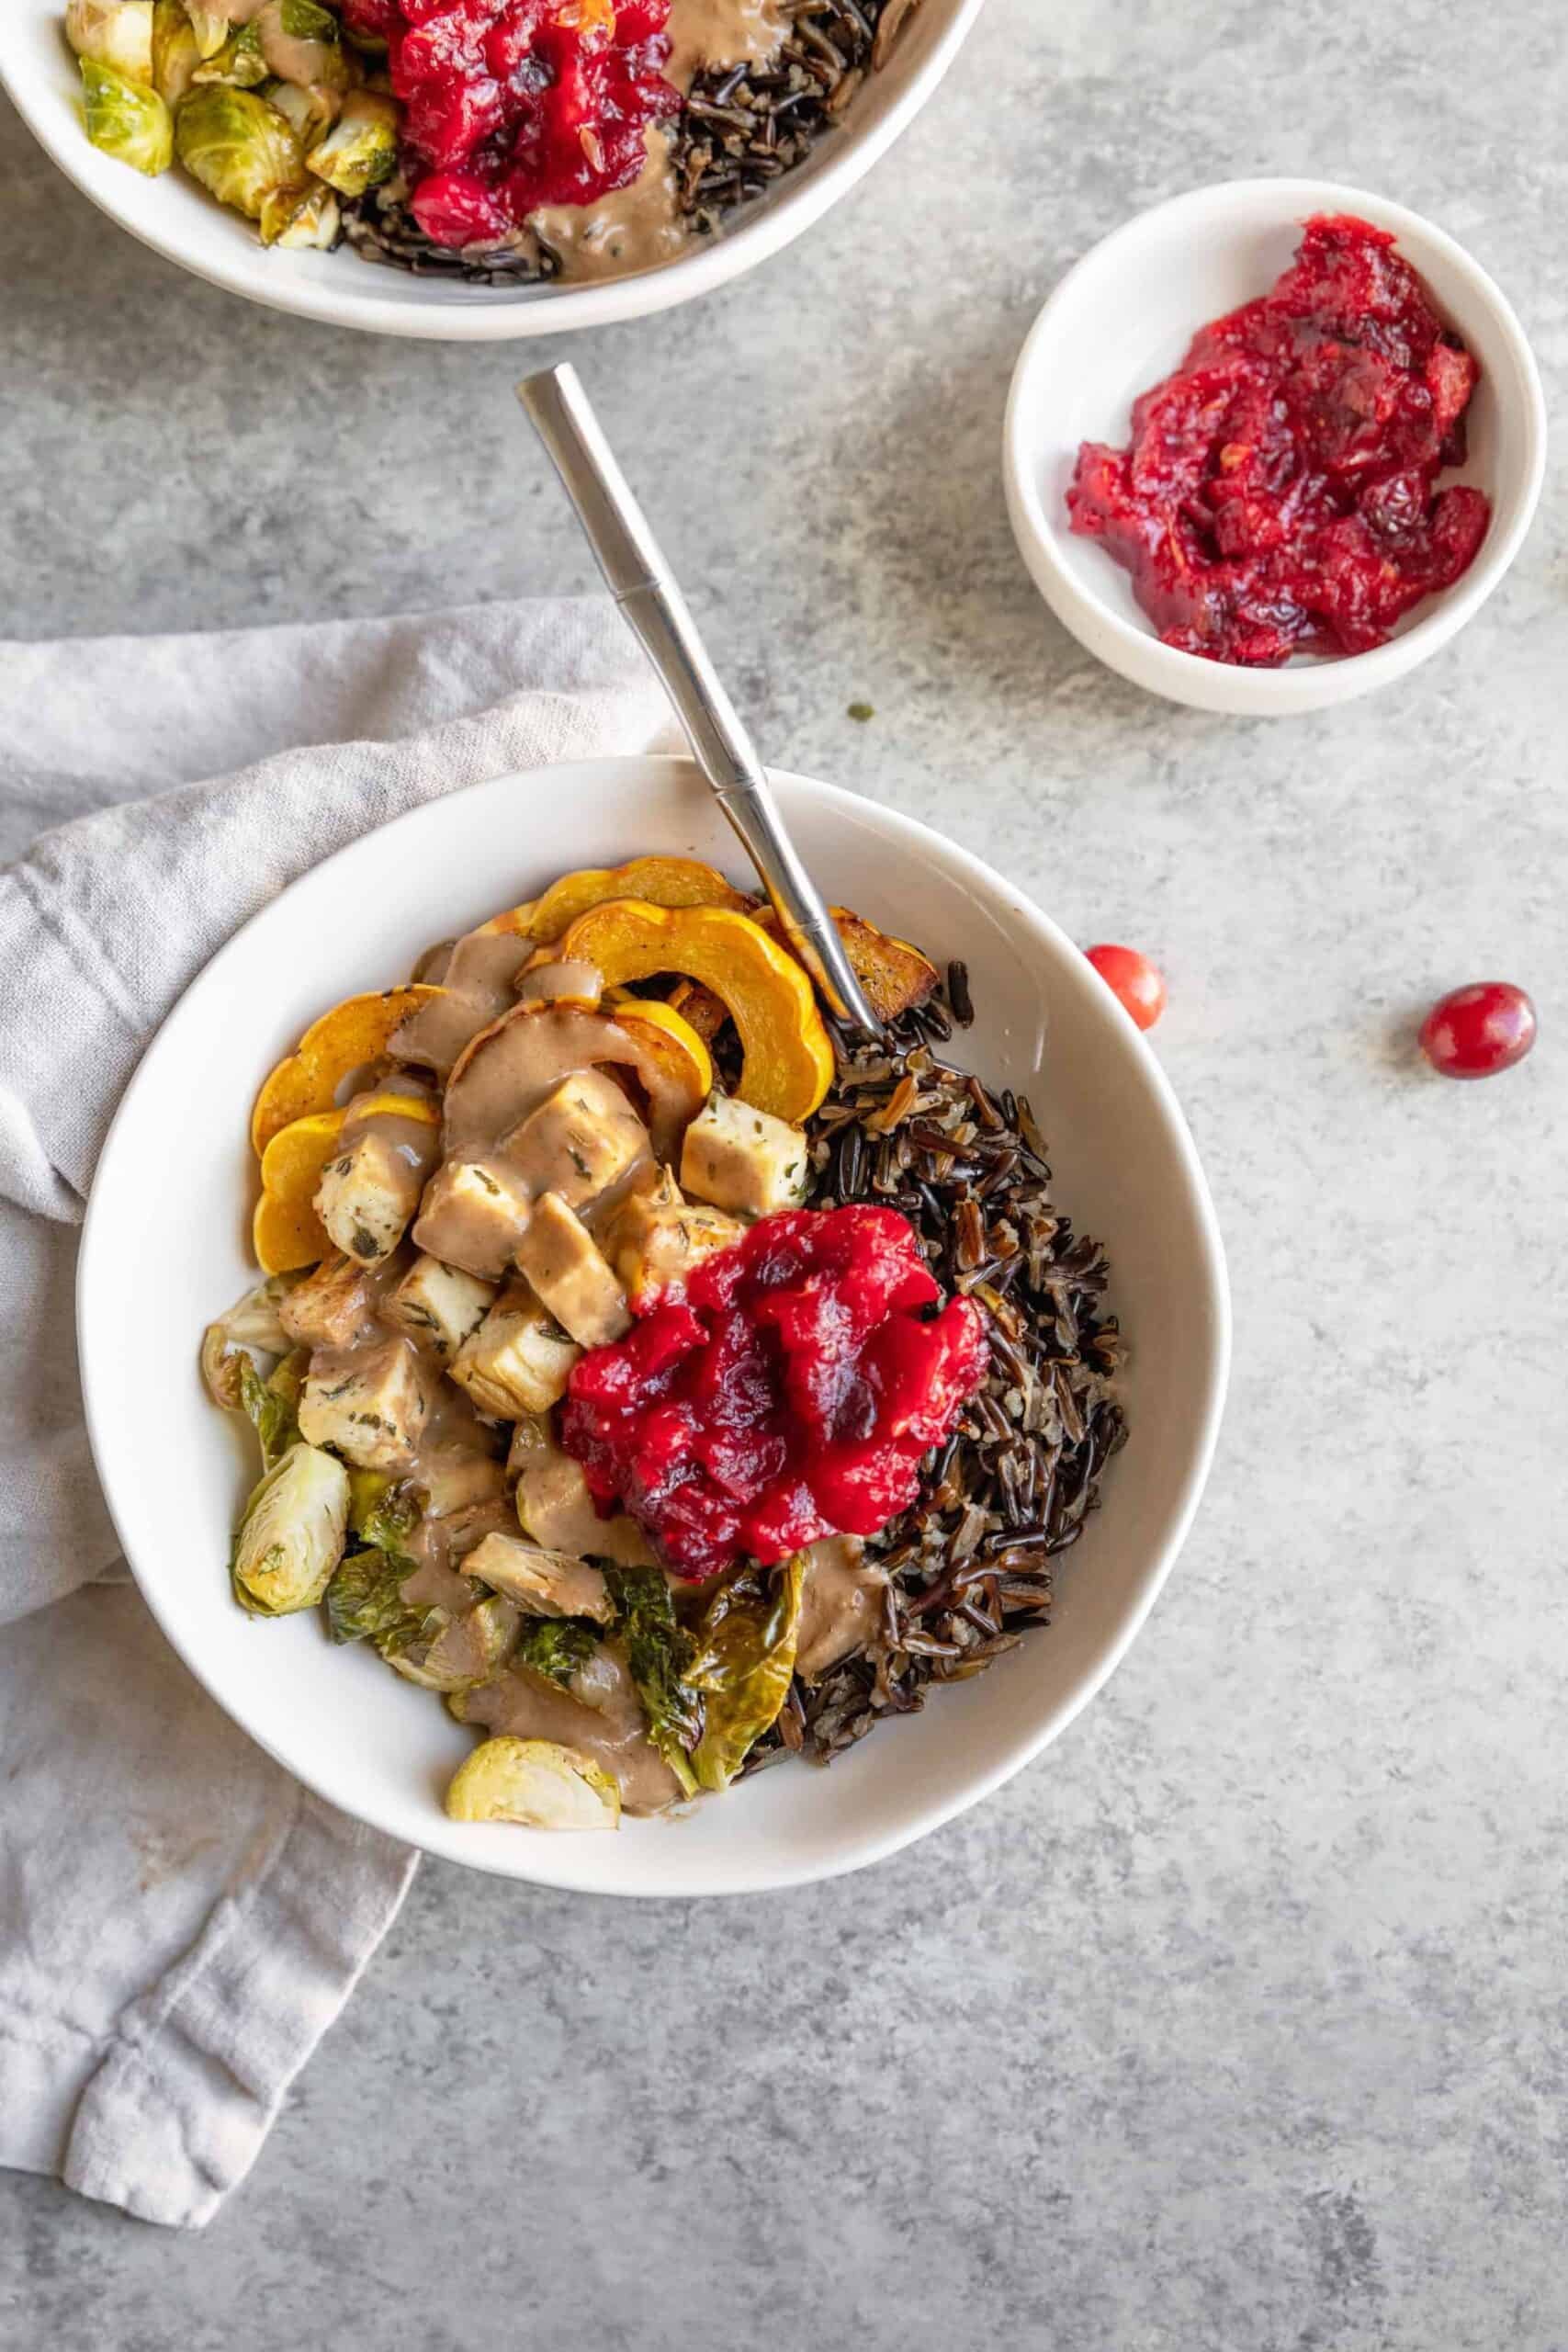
[(645, 588)]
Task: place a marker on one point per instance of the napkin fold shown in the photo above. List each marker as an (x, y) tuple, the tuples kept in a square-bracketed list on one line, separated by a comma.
[(179, 1920)]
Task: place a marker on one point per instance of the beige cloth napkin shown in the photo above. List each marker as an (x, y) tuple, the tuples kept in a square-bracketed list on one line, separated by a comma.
[(179, 1922)]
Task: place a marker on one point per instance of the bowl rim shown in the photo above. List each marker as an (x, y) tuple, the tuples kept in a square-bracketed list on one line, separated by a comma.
[(107, 1442), (1165, 669), (702, 268)]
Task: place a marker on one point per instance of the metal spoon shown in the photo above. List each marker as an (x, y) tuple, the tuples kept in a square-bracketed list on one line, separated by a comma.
[(643, 586)]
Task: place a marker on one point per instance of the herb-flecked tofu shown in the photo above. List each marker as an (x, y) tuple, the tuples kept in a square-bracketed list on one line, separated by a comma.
[(368, 1404), (438, 1305), (571, 1274), (744, 1159), (473, 1215), (366, 1198), (519, 1360)]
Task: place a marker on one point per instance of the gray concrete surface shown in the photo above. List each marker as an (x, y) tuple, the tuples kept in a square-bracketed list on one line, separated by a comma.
[(1239, 2020)]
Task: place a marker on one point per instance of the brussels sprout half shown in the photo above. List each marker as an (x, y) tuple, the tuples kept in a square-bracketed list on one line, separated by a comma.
[(291, 1536), (116, 33), (295, 218), (310, 112), (535, 1782), (240, 64), (176, 53), (743, 1666), (465, 1651), (209, 25), (361, 149), (125, 119), (238, 147)]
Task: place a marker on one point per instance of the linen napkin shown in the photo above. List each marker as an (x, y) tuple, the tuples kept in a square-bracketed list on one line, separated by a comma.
[(179, 1920)]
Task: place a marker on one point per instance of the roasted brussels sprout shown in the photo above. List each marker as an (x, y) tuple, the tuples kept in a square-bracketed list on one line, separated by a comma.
[(291, 1536), (209, 25), (310, 112), (251, 1328), (743, 1663), (295, 218), (658, 1649), (116, 33), (271, 1405), (364, 1602), (238, 147), (126, 119), (535, 1782), (361, 149), (175, 55), (556, 1648), (301, 45), (455, 1653), (240, 64), (382, 1512)]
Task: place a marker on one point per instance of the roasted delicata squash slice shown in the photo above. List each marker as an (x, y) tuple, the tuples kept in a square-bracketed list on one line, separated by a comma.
[(661, 881), (287, 1232), (893, 975), (788, 1057), (665, 1034), (535, 1782), (351, 1036)]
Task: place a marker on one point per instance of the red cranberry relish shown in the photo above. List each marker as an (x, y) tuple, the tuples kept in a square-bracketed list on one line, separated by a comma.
[(786, 1391), (1278, 494), (509, 104)]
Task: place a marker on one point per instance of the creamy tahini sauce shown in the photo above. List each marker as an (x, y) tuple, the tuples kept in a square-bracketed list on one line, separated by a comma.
[(633, 229), (556, 1509), (476, 975), (840, 1605), (601, 1717), (721, 33)]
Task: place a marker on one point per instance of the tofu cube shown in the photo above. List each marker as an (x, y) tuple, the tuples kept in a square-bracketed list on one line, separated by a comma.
[(438, 1305), (570, 1275), (472, 1217), (658, 1237), (519, 1360), (580, 1140), (545, 1584), (330, 1308), (366, 1198), (744, 1161), (368, 1404)]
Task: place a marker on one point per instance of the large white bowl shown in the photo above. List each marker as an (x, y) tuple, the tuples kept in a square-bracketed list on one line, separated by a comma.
[(165, 1248), (173, 216), (1121, 320)]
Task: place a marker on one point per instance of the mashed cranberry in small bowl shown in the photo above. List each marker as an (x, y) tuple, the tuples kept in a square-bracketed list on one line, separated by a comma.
[(1276, 538), (1280, 492)]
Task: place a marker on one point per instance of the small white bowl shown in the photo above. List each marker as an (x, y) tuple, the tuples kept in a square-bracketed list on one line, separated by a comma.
[(173, 216), (1121, 320), (165, 1248)]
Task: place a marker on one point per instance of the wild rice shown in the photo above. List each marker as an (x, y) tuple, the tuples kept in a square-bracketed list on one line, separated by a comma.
[(971, 1565)]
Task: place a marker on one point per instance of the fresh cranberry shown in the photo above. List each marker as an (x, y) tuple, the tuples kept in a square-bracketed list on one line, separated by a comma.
[(1137, 985), (1476, 1030), (787, 1390)]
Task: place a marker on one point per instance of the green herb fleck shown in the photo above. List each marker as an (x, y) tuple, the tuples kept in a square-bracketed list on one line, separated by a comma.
[(861, 712)]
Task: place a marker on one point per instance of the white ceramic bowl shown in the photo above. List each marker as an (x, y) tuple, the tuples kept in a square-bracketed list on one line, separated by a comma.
[(166, 1248), (1121, 320), (173, 216)]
